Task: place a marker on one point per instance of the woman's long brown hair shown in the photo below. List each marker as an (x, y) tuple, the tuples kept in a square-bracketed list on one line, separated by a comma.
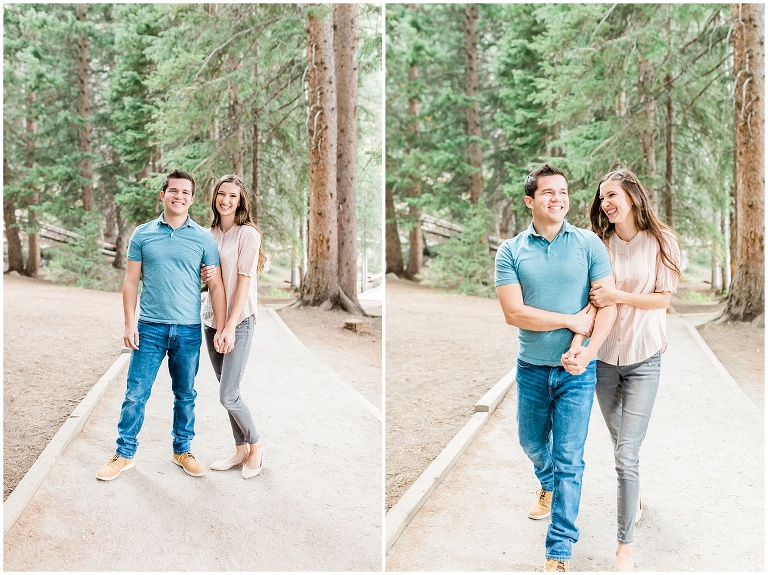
[(645, 216), (242, 213)]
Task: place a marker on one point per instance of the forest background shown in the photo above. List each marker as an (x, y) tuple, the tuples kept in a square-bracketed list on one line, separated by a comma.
[(102, 100), (478, 95)]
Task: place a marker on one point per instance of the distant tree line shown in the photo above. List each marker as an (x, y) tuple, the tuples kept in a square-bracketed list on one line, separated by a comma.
[(478, 95), (102, 100)]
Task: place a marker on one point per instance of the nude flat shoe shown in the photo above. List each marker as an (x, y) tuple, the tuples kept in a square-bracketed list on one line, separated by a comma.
[(250, 472), (224, 464)]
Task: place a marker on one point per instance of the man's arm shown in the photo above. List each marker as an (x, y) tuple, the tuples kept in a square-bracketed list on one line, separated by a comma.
[(526, 317), (219, 305), (576, 359), (130, 299)]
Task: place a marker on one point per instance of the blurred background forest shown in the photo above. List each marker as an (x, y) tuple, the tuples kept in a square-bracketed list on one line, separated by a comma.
[(102, 100), (478, 95)]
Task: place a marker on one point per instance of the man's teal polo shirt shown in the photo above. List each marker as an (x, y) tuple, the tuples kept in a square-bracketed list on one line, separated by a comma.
[(170, 267), (553, 276)]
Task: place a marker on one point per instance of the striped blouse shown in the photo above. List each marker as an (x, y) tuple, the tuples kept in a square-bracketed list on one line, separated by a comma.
[(637, 333)]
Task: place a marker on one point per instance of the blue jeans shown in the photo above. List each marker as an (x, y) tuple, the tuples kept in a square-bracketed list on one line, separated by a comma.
[(229, 370), (553, 409), (182, 344), (626, 394)]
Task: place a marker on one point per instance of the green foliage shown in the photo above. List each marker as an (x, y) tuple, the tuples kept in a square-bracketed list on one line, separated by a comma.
[(208, 88), (81, 263), (561, 83), (464, 263)]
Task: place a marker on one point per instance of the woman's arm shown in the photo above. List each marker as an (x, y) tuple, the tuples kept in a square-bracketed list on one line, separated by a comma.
[(602, 295)]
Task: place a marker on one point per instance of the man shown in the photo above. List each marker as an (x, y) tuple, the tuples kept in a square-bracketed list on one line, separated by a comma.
[(543, 277), (166, 255)]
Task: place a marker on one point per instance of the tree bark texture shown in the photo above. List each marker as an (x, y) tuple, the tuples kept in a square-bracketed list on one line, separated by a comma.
[(33, 235), (84, 110), (669, 169), (255, 154), (345, 41), (321, 282), (15, 254), (648, 122), (415, 248), (747, 293), (235, 119), (474, 149), (394, 247)]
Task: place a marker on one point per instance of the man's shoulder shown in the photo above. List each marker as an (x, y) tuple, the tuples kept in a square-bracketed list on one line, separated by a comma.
[(146, 227), (199, 230)]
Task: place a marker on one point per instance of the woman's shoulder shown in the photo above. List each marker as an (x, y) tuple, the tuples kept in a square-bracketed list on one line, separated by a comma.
[(247, 231)]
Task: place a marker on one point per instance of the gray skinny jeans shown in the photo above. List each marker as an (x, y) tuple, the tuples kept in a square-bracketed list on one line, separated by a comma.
[(626, 394), (229, 370)]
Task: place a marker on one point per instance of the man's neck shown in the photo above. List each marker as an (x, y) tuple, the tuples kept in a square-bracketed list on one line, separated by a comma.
[(175, 221), (548, 230)]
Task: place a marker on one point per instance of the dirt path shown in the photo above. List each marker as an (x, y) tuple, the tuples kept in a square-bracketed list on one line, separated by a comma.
[(58, 342), (445, 351)]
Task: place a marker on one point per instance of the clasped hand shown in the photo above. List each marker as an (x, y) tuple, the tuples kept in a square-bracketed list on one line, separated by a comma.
[(602, 295), (575, 360), (224, 341)]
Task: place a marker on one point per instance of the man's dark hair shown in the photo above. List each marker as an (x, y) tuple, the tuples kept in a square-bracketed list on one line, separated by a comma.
[(179, 175), (532, 181)]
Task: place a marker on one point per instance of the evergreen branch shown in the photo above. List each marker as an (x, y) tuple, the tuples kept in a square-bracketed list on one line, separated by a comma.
[(701, 93), (219, 47), (603, 20), (286, 116)]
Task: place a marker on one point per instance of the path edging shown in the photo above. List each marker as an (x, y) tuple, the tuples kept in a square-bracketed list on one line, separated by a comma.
[(401, 514), (29, 484), (369, 407)]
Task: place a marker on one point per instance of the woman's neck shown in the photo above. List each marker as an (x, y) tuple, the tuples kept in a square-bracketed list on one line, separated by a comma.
[(627, 229), (226, 222)]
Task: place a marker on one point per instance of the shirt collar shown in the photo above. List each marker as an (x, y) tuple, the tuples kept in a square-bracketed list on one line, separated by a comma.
[(161, 221), (566, 228)]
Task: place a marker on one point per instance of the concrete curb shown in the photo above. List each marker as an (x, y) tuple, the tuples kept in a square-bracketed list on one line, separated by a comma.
[(412, 500), (732, 385), (22, 494), (372, 409)]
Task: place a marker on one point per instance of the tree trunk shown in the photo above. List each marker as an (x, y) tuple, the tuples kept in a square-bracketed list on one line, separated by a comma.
[(648, 122), (415, 248), (15, 255), (668, 187), (747, 294), (235, 115), (255, 147), (345, 39), (321, 282), (474, 149), (33, 234), (394, 248), (83, 109)]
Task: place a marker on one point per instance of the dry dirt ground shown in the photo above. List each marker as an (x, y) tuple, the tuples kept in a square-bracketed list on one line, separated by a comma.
[(58, 341), (444, 351)]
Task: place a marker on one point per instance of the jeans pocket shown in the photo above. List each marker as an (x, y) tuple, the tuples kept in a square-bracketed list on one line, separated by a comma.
[(523, 364)]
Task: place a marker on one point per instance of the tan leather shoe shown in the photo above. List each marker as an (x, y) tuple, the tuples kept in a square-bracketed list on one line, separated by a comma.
[(555, 565), (114, 467), (190, 465), (542, 507)]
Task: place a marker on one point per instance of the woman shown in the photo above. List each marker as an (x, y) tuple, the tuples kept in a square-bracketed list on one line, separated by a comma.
[(241, 257), (645, 257)]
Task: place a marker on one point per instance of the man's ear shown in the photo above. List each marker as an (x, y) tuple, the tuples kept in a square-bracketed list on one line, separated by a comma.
[(528, 200)]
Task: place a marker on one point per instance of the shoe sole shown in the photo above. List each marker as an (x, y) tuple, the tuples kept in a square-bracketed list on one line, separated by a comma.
[(187, 471), (536, 517), (126, 468)]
